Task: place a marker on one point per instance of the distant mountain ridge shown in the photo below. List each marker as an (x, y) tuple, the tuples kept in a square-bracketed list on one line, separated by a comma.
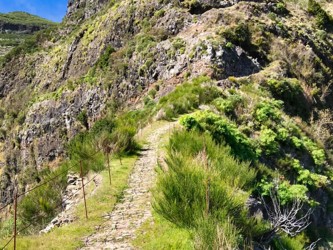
[(15, 27)]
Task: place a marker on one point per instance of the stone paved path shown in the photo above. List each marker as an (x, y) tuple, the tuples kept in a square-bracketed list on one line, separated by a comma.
[(135, 208)]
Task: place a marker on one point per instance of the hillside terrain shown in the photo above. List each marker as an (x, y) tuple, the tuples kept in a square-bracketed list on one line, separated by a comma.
[(16, 27), (250, 84)]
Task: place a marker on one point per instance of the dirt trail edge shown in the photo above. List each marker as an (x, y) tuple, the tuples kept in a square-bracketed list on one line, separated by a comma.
[(135, 207)]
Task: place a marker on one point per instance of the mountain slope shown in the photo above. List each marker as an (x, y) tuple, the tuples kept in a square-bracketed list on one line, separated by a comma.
[(15, 27), (271, 60)]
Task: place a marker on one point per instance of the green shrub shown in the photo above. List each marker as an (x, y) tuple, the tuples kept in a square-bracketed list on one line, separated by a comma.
[(123, 140), (144, 42), (21, 118), (192, 143), (159, 13), (152, 93), (295, 243), (223, 131), (41, 205), (83, 153), (286, 192), (213, 234), (281, 8), (103, 125), (6, 227), (286, 88), (318, 155), (229, 104), (137, 118), (229, 45), (267, 111), (291, 93), (83, 118), (268, 141), (179, 45), (187, 97), (195, 163), (103, 61), (240, 35), (323, 20), (2, 113)]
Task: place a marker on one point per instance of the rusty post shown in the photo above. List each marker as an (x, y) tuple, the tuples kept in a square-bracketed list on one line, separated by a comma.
[(84, 194), (15, 215), (109, 167), (207, 180)]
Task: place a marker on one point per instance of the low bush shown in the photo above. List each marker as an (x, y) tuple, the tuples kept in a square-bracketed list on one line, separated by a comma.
[(187, 97), (229, 104), (323, 20), (201, 190), (179, 45), (103, 125), (40, 206), (103, 61), (286, 192), (268, 141), (287, 88), (240, 35), (123, 141), (268, 111), (223, 131), (291, 93), (84, 154), (83, 118)]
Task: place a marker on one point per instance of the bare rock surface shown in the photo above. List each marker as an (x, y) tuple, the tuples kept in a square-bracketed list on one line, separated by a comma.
[(135, 207)]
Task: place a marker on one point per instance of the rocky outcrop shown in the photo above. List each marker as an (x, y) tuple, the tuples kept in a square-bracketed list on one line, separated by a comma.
[(201, 6), (79, 10), (50, 123), (18, 28)]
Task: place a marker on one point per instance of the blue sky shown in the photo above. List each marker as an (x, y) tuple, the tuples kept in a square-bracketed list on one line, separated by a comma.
[(54, 10)]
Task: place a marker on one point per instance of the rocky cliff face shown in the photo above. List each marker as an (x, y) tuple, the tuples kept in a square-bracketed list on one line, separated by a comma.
[(127, 47), (18, 28), (82, 9)]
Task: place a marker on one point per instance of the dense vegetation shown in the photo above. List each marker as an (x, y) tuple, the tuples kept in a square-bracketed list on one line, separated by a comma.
[(219, 153), (110, 137), (201, 191), (247, 138)]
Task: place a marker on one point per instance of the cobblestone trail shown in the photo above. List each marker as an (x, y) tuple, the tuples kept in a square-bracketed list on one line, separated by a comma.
[(135, 208)]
